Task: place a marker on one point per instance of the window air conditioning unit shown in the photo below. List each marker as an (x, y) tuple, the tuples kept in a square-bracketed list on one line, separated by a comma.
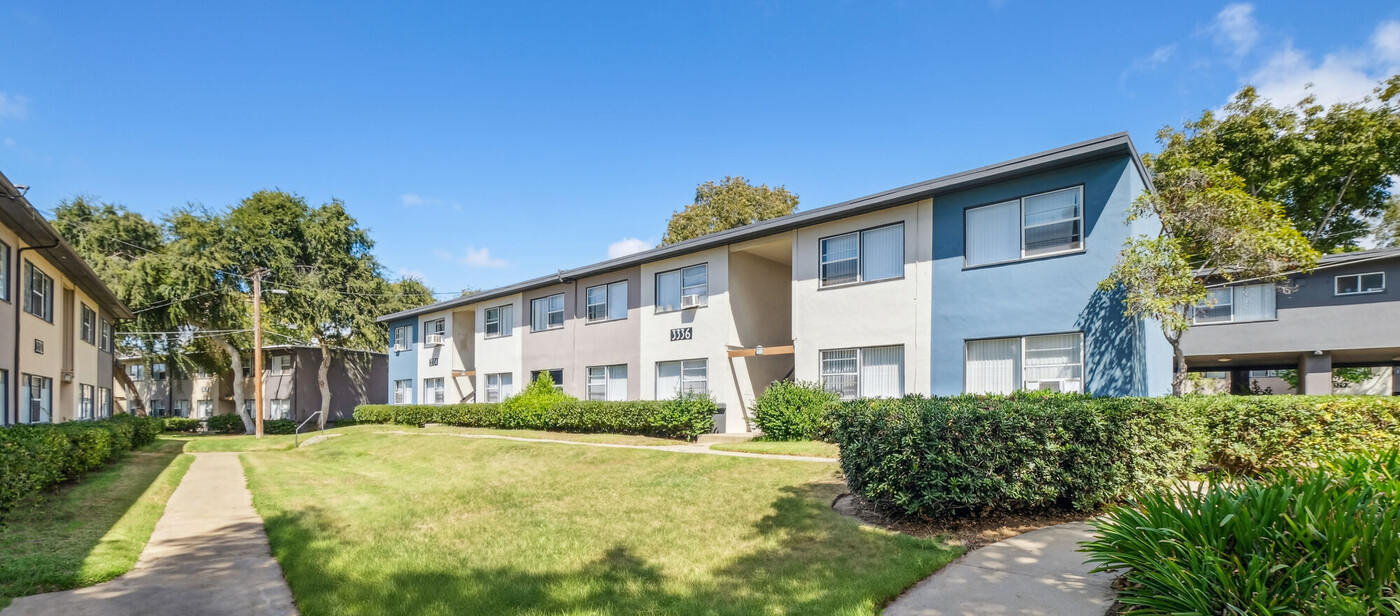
[(400, 347), (691, 301), (67, 376), (433, 340)]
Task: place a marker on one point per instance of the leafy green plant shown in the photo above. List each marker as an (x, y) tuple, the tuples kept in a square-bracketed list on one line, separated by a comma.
[(36, 457), (229, 423), (530, 406), (679, 418), (182, 424), (1252, 434), (794, 411), (279, 426), (1320, 540)]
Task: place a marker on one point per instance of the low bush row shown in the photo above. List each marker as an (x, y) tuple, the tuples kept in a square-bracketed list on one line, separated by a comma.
[(685, 417), (1323, 540), (794, 411), (35, 457), (228, 423), (182, 424), (919, 456)]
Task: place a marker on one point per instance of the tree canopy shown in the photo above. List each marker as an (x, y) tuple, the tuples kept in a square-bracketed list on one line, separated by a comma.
[(732, 202)]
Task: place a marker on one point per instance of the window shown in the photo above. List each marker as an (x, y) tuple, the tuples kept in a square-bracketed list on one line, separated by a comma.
[(607, 302), (280, 408), (248, 407), (182, 408), (607, 382), (39, 300), (87, 401), (1034, 226), (247, 369), (158, 371), (280, 365), (556, 376), (104, 402), (1356, 284), (5, 393), (498, 321), (673, 377), (158, 408), (547, 313), (1053, 363), (1251, 302), (1266, 374), (136, 371), (4, 271), (864, 373), (89, 325), (673, 286), (105, 342), (403, 391), (498, 387), (435, 326), (433, 391), (863, 256), (204, 408), (403, 338)]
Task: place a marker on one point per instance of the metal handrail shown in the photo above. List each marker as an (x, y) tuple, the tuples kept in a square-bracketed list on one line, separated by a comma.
[(296, 434)]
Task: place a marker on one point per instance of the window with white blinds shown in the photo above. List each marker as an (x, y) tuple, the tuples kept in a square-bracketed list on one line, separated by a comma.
[(1032, 226), (499, 386), (673, 377), (1003, 365), (869, 372), (607, 302), (433, 391), (862, 256), (607, 382), (499, 321), (403, 391), (674, 285), (1251, 302), (547, 313)]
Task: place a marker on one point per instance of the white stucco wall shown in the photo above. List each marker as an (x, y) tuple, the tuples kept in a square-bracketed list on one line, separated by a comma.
[(503, 354), (455, 389), (880, 313)]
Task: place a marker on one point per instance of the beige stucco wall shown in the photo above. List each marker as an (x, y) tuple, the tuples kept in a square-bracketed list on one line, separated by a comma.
[(458, 327), (885, 312), (760, 303)]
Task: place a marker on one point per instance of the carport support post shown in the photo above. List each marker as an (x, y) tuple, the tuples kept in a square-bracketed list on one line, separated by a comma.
[(1315, 373)]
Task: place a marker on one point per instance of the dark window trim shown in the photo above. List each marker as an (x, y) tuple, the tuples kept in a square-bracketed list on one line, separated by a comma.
[(860, 257), (1021, 226)]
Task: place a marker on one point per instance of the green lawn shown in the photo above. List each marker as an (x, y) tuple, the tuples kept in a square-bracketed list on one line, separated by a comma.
[(816, 449), (615, 439), (91, 530), (388, 524)]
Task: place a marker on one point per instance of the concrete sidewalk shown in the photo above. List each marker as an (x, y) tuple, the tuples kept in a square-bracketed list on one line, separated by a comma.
[(1039, 573), (208, 555)]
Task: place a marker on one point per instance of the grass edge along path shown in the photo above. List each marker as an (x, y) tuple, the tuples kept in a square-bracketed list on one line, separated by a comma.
[(811, 449), (377, 524), (92, 529)]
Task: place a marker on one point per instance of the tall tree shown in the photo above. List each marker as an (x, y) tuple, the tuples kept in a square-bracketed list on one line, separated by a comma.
[(1387, 231), (1212, 225), (731, 203), (1330, 167)]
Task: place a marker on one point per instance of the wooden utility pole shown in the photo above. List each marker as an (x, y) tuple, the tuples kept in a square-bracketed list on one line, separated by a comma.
[(257, 353)]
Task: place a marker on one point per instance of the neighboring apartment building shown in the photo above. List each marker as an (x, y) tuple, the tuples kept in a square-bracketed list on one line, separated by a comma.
[(290, 389), (1346, 313), (981, 281), (56, 320)]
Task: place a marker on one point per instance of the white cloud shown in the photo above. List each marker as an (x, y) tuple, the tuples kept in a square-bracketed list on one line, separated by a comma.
[(1386, 41), (1234, 26), (415, 200), (473, 257), (1341, 75), (13, 106), (1151, 62), (626, 246)]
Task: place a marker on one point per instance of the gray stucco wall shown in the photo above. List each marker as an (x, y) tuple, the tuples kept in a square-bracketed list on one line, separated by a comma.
[(580, 344), (1312, 318)]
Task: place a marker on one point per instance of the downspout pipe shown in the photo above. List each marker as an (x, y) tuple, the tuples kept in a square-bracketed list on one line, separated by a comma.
[(19, 314)]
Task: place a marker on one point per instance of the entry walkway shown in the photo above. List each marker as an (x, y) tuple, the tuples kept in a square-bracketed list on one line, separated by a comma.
[(686, 448), (1039, 573), (208, 555)]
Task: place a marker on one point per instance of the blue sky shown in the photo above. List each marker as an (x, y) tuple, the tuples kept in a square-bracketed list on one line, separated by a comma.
[(486, 144)]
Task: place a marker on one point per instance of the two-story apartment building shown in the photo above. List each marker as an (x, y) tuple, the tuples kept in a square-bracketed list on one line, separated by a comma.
[(1345, 313), (980, 281), (56, 317), (290, 389)]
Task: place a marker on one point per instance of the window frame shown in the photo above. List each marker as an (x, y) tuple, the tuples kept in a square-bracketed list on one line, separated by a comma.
[(87, 323), (406, 390), (1232, 303), (38, 412), (274, 367), (860, 256), (681, 384), (500, 394), (860, 366), (200, 410), (87, 402), (607, 377), (399, 345), (607, 288), (270, 412), (1021, 217), (435, 326), (4, 271), (558, 383), (1021, 350), (46, 296), (104, 402), (1336, 284), (439, 395), (503, 329), (680, 280), (549, 313), (105, 335)]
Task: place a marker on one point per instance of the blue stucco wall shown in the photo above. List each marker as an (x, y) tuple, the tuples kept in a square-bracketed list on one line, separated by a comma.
[(1049, 295), (403, 364)]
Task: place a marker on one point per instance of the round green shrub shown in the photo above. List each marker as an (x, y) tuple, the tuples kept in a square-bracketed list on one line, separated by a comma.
[(794, 411), (230, 423)]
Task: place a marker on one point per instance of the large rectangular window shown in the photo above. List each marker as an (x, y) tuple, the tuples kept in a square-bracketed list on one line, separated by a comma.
[(105, 331), (607, 382), (607, 302), (1052, 363), (204, 409), (279, 365), (499, 322), (158, 371), (280, 408), (182, 408), (1250, 302), (433, 331), (499, 386), (4, 271), (87, 401), (433, 391), (556, 376), (104, 402), (673, 287), (547, 313), (158, 408), (1356, 284), (89, 324), (1032, 226), (38, 301), (674, 377), (403, 391), (403, 338), (868, 372), (137, 372), (863, 256)]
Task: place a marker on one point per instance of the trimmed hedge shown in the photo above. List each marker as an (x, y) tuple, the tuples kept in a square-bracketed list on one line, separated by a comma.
[(684, 417), (794, 411), (228, 423), (182, 424), (920, 456), (279, 426), (36, 457)]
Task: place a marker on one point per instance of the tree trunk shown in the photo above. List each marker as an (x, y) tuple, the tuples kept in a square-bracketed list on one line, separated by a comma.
[(236, 362), (1178, 375), (133, 402), (323, 380)]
